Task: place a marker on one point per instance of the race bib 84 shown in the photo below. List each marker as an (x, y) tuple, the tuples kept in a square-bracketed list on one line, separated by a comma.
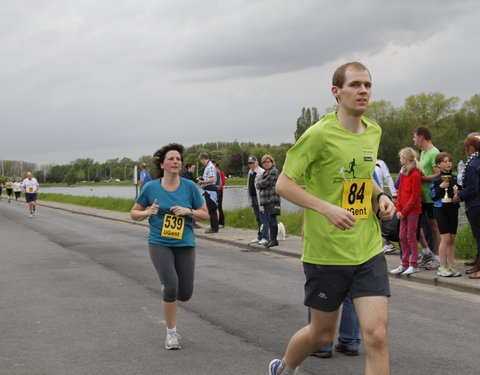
[(357, 198)]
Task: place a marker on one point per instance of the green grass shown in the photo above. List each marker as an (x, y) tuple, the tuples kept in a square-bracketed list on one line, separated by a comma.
[(244, 218), (465, 243), (113, 204)]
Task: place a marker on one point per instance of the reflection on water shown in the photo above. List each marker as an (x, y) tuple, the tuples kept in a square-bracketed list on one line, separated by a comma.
[(233, 197)]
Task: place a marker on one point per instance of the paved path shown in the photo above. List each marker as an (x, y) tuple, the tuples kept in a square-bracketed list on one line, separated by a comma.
[(291, 246)]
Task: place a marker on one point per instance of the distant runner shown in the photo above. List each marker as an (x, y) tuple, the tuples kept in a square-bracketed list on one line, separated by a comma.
[(30, 186)]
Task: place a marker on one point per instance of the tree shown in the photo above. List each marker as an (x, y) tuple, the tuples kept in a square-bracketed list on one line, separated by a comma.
[(71, 176), (306, 119), (429, 109)]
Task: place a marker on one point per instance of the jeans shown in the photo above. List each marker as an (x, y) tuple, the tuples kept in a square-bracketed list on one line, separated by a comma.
[(271, 219), (349, 331), (261, 220), (212, 210)]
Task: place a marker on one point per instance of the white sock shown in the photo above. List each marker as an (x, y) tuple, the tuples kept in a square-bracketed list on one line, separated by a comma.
[(284, 370), (171, 330)]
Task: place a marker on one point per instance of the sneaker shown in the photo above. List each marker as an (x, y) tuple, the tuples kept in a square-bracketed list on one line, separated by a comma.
[(398, 270), (455, 272), (263, 242), (444, 272), (432, 265), (388, 248), (255, 240), (31, 215), (171, 341), (411, 270), (342, 349), (425, 258), (322, 353), (275, 366)]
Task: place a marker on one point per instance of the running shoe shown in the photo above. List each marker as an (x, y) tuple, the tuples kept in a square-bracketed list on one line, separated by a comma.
[(275, 366), (455, 272), (398, 270), (411, 270), (388, 248), (255, 240), (444, 272), (263, 242), (432, 265), (171, 341), (425, 258), (31, 215)]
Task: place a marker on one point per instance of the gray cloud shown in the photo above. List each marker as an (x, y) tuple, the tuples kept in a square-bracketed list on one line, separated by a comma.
[(111, 79)]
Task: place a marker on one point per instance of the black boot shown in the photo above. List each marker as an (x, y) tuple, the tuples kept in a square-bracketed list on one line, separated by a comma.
[(273, 237)]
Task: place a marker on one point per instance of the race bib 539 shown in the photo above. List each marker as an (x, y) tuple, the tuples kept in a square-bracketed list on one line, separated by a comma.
[(357, 198), (173, 226)]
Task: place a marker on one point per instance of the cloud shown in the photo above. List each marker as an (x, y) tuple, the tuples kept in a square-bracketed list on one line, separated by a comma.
[(111, 79)]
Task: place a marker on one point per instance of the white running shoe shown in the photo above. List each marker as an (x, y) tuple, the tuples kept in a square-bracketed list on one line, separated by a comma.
[(171, 341), (444, 272), (388, 248), (411, 270), (255, 240), (31, 215), (263, 241), (398, 270)]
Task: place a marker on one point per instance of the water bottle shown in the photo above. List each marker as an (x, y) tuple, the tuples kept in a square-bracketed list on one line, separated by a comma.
[(460, 170)]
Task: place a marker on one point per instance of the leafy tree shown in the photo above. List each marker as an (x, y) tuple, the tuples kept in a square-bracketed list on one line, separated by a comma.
[(306, 119), (429, 109)]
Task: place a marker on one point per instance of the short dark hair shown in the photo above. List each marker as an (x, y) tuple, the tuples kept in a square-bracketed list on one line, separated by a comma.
[(424, 131), (203, 156), (338, 78), (189, 165), (439, 158), (159, 156)]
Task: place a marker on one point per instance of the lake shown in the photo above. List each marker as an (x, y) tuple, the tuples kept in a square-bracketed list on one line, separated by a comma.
[(233, 196)]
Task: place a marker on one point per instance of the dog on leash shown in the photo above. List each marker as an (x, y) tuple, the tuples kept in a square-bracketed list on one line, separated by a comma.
[(281, 231)]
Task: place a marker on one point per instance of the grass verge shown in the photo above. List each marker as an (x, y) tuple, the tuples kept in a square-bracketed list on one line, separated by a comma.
[(113, 204)]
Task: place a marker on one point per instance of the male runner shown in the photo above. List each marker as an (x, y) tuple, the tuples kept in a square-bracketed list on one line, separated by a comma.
[(342, 240), (30, 185)]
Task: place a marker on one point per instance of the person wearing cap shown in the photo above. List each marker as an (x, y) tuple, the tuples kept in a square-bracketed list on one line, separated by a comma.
[(254, 175)]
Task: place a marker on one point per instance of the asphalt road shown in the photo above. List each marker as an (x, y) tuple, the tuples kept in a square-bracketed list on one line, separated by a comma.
[(78, 295)]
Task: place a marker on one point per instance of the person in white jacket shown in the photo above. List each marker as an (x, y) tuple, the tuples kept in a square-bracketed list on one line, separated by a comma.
[(385, 179)]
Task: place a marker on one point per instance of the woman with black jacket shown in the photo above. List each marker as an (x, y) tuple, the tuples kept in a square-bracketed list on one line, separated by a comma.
[(470, 194), (269, 199)]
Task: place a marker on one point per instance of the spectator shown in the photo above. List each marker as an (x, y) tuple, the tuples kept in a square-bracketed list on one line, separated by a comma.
[(221, 180), (144, 175), (446, 213), (429, 236), (269, 199), (207, 181), (190, 170), (409, 208), (470, 194), (188, 174), (348, 333), (254, 175), (383, 175)]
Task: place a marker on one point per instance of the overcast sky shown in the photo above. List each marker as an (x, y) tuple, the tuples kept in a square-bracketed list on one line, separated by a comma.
[(113, 78)]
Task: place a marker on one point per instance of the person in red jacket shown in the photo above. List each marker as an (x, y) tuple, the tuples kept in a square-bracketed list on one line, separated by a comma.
[(409, 208)]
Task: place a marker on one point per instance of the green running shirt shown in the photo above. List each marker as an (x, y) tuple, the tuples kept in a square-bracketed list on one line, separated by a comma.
[(332, 159)]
